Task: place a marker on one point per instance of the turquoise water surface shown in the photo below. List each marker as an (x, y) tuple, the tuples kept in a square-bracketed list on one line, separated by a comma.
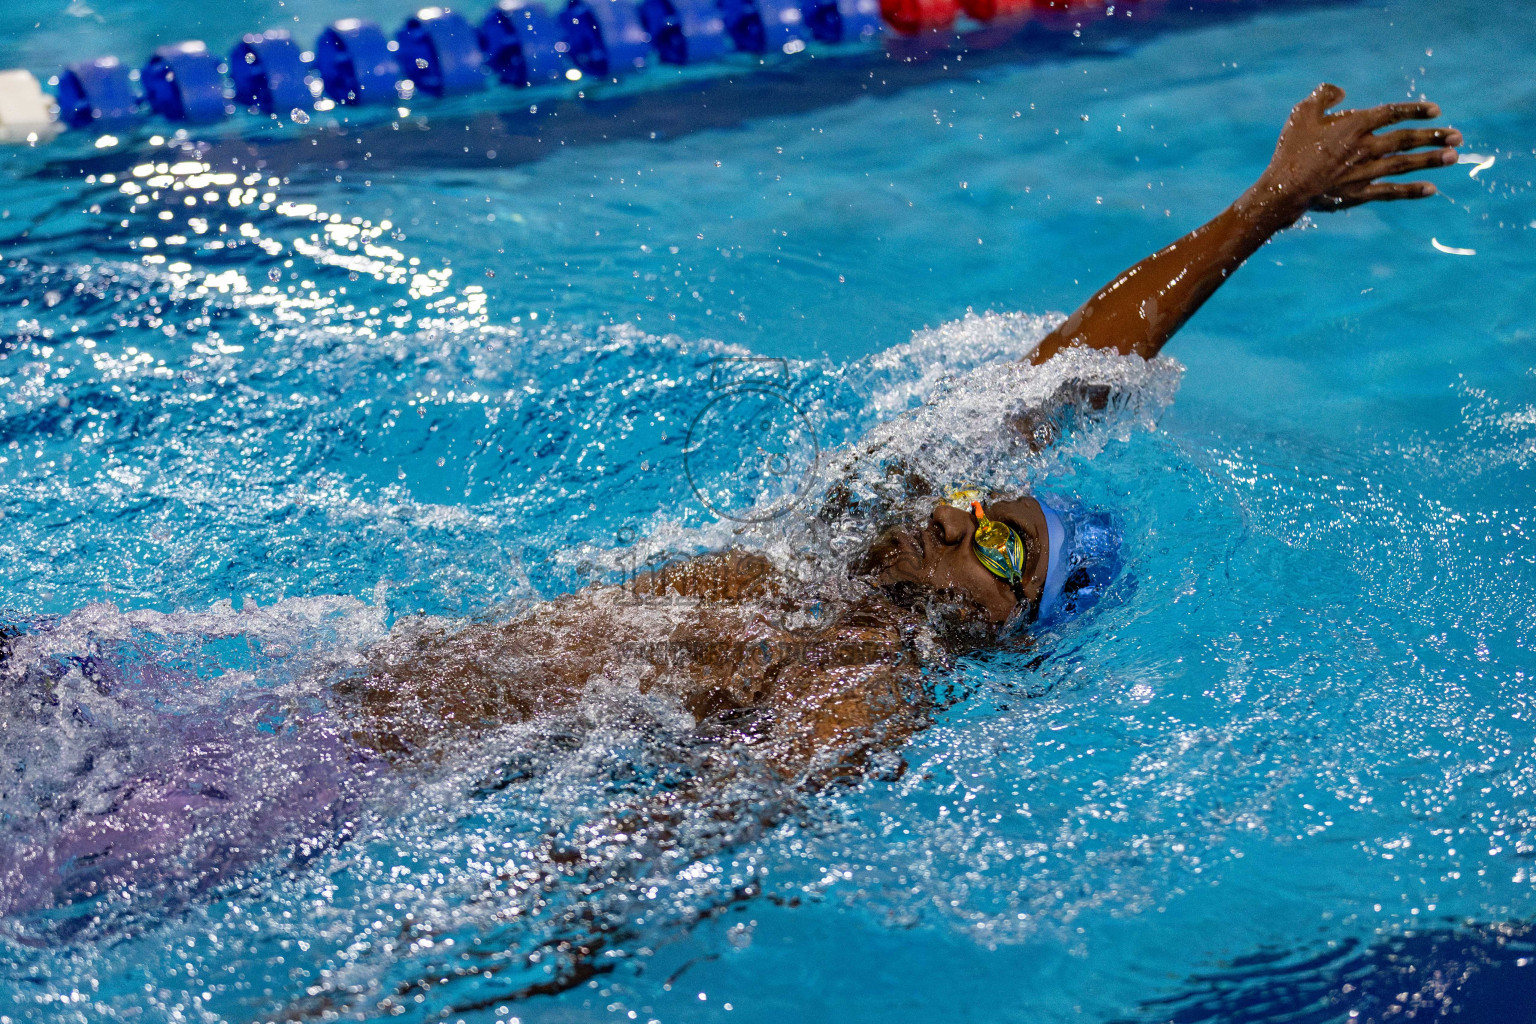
[(263, 398)]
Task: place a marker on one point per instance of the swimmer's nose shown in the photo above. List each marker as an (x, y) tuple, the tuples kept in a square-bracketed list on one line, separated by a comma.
[(952, 525)]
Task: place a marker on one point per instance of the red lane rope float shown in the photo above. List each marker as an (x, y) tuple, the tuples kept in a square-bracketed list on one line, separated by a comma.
[(910, 17), (1001, 10)]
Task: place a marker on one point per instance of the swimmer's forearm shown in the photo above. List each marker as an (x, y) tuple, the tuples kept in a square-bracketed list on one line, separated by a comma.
[(1137, 312)]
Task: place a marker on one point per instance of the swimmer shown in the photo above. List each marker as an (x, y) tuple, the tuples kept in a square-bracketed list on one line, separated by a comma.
[(815, 679)]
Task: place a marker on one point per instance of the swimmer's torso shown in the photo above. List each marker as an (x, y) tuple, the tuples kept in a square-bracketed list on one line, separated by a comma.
[(720, 635)]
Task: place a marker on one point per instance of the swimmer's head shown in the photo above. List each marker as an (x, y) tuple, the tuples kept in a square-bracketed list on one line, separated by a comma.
[(937, 560)]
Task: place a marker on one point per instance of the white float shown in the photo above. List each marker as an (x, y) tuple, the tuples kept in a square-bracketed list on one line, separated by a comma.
[(27, 114)]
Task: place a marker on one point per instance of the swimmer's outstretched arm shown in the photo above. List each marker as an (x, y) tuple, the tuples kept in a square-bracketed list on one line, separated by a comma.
[(1323, 162)]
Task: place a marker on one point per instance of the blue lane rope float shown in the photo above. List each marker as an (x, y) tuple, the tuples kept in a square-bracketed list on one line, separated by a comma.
[(356, 63), (269, 73), (605, 37), (97, 94), (439, 52), (685, 31), (183, 82), (843, 21), (522, 43), (764, 26)]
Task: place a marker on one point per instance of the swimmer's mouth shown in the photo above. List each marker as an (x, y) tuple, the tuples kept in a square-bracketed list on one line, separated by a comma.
[(915, 538), (914, 545), (910, 543)]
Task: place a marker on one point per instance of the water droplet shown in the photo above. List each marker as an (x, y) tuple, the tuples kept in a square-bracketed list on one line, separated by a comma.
[(274, 275), (299, 116)]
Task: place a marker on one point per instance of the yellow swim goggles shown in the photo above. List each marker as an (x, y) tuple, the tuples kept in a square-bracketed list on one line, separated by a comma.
[(998, 547)]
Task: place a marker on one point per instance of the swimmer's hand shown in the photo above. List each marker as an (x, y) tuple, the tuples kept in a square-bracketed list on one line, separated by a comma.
[(1333, 161)]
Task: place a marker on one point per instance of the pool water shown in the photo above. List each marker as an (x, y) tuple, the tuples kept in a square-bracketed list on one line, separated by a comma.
[(251, 425)]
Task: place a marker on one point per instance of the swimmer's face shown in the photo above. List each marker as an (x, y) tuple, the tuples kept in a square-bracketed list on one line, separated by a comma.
[(938, 556)]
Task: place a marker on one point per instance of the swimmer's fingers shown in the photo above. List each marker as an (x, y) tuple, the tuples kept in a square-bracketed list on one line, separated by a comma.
[(1410, 138), (1374, 118), (1401, 163), (1369, 192), (1389, 191)]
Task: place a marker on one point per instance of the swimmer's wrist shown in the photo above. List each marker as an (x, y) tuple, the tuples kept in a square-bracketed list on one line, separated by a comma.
[(1272, 205)]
